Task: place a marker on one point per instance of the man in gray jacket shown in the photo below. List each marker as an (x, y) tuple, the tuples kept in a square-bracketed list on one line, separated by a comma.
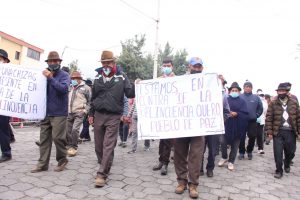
[(79, 103)]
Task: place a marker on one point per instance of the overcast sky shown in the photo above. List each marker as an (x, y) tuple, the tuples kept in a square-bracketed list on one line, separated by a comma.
[(241, 39)]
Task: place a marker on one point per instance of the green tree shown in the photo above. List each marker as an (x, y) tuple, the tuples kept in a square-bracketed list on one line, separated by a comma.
[(133, 61), (179, 59), (73, 66)]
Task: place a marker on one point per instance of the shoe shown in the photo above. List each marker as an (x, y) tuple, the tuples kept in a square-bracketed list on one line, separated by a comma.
[(209, 173), (38, 169), (131, 152), (201, 172), (230, 166), (261, 151), (222, 162), (38, 143), (291, 163), (86, 139), (180, 188), (72, 152), (287, 169), (146, 149), (250, 156), (278, 175), (267, 142), (80, 140), (193, 191), (120, 144), (100, 181), (241, 156), (124, 145), (164, 170), (157, 167), (5, 158), (61, 166)]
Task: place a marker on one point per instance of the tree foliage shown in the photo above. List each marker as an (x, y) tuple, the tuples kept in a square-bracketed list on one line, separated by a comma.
[(137, 64), (73, 66)]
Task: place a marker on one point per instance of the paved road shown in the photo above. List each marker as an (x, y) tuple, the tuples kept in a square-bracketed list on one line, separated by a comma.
[(132, 176)]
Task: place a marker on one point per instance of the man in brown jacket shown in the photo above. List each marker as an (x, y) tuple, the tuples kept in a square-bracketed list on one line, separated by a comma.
[(283, 124)]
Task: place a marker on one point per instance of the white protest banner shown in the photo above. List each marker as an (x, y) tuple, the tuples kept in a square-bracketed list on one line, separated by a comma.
[(22, 92), (181, 106)]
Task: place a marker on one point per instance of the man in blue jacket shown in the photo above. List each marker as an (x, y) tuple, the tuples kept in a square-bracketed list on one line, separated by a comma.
[(255, 109), (53, 127)]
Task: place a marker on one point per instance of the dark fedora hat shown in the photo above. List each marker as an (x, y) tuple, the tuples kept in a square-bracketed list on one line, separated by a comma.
[(107, 56), (4, 55), (53, 55), (234, 85), (282, 86)]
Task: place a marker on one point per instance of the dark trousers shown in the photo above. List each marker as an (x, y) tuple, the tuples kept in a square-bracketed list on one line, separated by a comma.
[(106, 128), (284, 142), (123, 131), (211, 141), (85, 132), (5, 135), (233, 148), (251, 133), (53, 129), (187, 159), (165, 146), (260, 137)]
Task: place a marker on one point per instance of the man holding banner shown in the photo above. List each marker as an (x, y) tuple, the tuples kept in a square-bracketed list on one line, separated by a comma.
[(4, 123), (165, 145), (53, 126)]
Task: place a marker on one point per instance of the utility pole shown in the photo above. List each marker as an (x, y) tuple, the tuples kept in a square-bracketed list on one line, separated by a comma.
[(156, 42), (62, 54)]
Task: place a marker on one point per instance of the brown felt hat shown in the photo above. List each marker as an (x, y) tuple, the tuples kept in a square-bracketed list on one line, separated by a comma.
[(53, 55), (76, 74), (107, 56)]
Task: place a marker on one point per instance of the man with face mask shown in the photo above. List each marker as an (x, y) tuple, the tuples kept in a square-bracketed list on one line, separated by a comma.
[(165, 145), (106, 110), (4, 122), (79, 103), (283, 125), (53, 127)]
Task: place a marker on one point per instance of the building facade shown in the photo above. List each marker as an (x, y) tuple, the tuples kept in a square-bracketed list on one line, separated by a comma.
[(19, 51)]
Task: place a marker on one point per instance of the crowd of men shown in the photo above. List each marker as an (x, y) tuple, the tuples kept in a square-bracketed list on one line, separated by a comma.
[(73, 103)]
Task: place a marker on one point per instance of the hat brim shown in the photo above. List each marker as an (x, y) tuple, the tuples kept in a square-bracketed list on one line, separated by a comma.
[(106, 60), (53, 59), (6, 58), (76, 77), (229, 89)]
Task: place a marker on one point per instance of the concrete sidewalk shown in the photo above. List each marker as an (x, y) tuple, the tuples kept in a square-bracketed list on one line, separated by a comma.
[(132, 176)]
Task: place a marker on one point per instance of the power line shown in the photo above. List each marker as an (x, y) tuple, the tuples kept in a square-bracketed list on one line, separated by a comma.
[(137, 10)]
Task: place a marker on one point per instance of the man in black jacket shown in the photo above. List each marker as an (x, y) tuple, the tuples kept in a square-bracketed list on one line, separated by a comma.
[(106, 110)]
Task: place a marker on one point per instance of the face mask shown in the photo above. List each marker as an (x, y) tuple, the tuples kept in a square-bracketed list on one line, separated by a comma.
[(195, 72), (167, 70), (234, 94), (53, 68), (282, 96), (106, 70), (74, 82), (1, 61)]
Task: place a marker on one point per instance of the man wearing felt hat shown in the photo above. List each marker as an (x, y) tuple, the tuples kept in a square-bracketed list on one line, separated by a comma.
[(283, 125), (79, 103), (106, 110), (53, 127)]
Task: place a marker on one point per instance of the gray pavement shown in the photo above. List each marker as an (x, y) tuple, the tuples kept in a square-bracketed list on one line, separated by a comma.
[(132, 176)]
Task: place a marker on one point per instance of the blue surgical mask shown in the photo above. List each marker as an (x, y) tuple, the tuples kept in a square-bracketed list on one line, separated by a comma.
[(234, 94), (167, 70), (106, 70), (74, 82)]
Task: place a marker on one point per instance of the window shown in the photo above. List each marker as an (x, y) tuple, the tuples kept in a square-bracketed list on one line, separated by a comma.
[(17, 55), (33, 54)]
